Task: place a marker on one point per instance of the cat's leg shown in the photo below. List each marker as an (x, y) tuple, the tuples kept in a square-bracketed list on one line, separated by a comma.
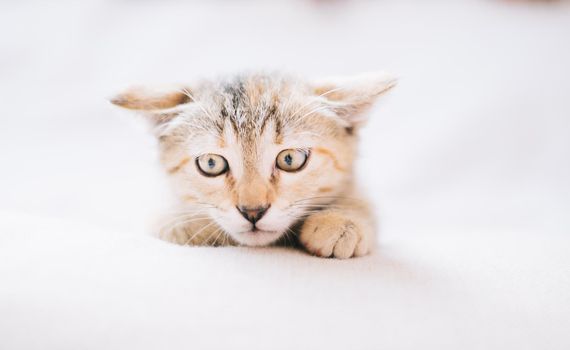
[(346, 230), (191, 231)]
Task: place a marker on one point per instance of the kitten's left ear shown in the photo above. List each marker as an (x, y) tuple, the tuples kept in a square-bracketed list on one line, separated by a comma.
[(350, 97), (155, 103)]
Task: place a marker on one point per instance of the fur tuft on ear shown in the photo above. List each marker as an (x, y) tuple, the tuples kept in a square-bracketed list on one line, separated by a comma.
[(152, 99), (351, 97)]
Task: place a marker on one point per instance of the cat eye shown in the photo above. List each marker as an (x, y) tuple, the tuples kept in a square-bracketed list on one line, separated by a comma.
[(292, 159), (211, 164)]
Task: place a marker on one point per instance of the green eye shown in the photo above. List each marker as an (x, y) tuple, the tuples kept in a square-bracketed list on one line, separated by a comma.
[(212, 164), (292, 159)]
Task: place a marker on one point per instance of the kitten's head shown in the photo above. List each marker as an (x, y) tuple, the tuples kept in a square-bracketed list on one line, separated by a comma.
[(258, 152)]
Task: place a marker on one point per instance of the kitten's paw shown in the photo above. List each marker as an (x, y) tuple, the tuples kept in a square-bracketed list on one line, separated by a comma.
[(330, 234), (174, 235)]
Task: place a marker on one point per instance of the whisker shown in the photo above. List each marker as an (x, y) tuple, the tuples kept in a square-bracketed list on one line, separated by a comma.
[(190, 209), (199, 231), (315, 100), (329, 198), (182, 218), (187, 93), (290, 234), (206, 242), (175, 223), (221, 232), (321, 108)]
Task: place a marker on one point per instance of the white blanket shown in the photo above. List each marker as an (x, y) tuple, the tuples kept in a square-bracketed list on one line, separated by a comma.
[(65, 286)]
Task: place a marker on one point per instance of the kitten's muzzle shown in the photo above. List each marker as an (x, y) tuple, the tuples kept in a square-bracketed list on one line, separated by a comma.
[(253, 215)]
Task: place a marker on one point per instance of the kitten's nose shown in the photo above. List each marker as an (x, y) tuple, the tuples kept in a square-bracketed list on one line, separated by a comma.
[(253, 215)]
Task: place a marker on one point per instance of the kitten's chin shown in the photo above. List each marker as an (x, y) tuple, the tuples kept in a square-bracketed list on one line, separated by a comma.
[(257, 238)]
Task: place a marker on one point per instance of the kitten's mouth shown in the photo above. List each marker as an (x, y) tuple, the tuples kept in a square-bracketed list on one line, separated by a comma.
[(257, 237), (256, 231)]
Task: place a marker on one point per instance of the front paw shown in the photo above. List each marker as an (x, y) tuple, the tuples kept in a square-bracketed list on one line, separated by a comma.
[(331, 234), (176, 235)]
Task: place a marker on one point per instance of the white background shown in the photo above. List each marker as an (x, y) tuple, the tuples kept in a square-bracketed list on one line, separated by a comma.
[(467, 160)]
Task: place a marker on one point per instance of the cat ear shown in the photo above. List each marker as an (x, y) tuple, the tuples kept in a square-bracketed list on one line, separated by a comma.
[(351, 97), (159, 104)]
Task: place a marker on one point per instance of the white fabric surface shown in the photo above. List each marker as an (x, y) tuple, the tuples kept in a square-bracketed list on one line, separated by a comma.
[(68, 287), (468, 161)]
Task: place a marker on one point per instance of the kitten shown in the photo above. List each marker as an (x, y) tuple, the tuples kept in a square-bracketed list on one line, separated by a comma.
[(258, 158)]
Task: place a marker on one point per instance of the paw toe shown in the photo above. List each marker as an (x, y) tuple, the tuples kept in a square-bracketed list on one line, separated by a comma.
[(333, 236), (345, 245)]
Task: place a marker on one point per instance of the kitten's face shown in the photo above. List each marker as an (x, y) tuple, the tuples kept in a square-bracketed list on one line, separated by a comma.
[(256, 153)]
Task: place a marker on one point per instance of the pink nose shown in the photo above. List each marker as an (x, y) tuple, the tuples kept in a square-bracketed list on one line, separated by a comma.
[(253, 215)]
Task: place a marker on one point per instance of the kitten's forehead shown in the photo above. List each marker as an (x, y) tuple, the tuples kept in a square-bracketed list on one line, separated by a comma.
[(249, 103), (254, 111)]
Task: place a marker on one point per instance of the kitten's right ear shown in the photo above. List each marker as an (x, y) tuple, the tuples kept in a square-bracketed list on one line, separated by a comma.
[(158, 104), (350, 97)]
